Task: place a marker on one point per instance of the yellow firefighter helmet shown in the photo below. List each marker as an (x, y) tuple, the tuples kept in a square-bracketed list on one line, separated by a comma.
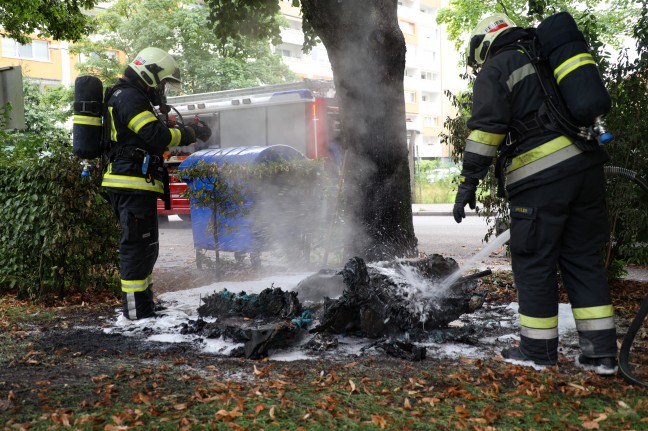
[(483, 36), (156, 67)]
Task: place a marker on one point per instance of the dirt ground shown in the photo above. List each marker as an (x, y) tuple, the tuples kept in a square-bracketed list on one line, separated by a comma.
[(57, 357), (74, 330)]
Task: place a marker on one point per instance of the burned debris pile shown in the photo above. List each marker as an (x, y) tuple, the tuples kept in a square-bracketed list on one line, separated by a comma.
[(393, 302)]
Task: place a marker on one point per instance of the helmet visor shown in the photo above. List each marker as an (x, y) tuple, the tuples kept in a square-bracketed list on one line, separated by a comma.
[(171, 86)]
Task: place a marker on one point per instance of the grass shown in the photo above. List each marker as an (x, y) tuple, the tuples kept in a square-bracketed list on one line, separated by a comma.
[(439, 192), (56, 373), (355, 395)]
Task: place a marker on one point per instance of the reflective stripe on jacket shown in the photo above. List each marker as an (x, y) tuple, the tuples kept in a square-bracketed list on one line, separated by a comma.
[(131, 182)]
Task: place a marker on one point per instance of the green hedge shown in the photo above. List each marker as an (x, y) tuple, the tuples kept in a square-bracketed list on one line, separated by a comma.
[(58, 235)]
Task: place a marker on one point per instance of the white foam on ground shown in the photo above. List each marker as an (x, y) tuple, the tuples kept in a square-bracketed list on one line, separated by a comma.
[(182, 307)]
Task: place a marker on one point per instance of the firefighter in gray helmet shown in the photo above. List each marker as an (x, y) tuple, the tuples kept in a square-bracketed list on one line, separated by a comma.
[(556, 199), (135, 176)]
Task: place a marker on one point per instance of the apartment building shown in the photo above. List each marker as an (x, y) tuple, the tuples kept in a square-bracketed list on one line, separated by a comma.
[(431, 67), (43, 60)]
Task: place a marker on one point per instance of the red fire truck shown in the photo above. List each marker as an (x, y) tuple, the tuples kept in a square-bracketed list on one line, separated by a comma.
[(302, 115)]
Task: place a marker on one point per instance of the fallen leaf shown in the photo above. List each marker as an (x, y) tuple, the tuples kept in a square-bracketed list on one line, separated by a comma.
[(99, 378), (431, 400), (5, 404), (591, 425), (601, 417), (142, 398), (379, 420)]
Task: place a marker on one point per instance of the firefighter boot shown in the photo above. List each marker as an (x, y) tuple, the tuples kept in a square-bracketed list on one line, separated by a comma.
[(602, 366), (516, 354)]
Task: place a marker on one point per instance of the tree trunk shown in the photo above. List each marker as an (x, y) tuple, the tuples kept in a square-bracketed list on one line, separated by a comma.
[(366, 49)]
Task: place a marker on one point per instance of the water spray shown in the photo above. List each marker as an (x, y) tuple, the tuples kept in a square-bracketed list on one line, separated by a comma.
[(457, 275)]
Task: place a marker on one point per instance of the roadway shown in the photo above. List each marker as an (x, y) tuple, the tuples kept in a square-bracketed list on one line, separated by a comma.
[(436, 231)]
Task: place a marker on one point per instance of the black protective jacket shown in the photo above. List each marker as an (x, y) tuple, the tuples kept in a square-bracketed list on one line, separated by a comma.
[(138, 140), (506, 91)]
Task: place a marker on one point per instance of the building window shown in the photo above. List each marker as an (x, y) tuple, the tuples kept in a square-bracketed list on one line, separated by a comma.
[(406, 27), (289, 51), (429, 97), (429, 76), (319, 55), (35, 50), (431, 121), (431, 140), (410, 97)]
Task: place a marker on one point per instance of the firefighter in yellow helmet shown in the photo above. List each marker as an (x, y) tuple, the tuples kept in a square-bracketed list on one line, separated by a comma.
[(556, 198), (135, 176)]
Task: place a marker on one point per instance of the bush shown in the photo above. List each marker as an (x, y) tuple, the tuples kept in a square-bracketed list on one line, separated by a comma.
[(58, 235), (628, 202)]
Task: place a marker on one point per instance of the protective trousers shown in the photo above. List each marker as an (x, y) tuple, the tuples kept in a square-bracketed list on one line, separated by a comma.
[(138, 251), (562, 226)]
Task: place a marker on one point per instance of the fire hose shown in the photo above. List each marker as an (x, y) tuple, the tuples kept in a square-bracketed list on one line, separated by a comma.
[(624, 353)]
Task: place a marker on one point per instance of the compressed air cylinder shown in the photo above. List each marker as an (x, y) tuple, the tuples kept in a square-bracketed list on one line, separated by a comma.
[(87, 126), (574, 68)]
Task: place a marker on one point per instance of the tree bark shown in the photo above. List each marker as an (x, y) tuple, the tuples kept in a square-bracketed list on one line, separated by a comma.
[(366, 49)]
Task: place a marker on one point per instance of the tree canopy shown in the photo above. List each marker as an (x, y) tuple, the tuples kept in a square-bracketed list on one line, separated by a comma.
[(601, 22), (60, 19), (207, 62)]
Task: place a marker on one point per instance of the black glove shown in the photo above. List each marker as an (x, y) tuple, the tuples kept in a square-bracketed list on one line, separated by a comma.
[(187, 135), (201, 130), (465, 195)]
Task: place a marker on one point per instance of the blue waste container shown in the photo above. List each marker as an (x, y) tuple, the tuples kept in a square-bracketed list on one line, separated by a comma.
[(242, 238)]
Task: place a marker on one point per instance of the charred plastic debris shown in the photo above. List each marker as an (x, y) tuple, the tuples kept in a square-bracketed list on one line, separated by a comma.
[(390, 302)]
